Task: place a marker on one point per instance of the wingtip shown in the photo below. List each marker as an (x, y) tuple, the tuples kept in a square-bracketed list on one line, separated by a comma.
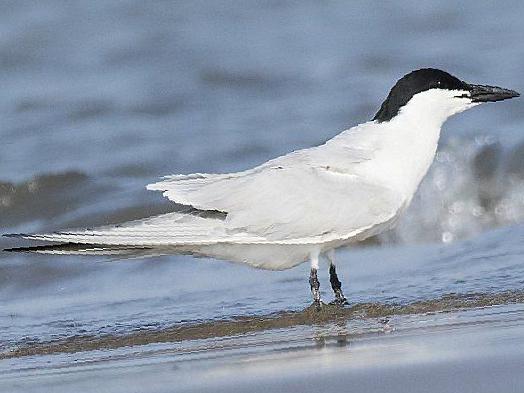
[(18, 249), (16, 235), (32, 249)]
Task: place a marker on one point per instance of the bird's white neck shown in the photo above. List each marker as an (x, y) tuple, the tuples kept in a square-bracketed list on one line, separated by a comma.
[(410, 139), (432, 108), (411, 149), (400, 151)]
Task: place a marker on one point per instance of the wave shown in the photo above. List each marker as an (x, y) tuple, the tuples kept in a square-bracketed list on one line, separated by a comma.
[(40, 197), (474, 185)]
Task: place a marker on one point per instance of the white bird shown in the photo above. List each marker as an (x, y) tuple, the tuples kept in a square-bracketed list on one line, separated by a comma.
[(303, 204)]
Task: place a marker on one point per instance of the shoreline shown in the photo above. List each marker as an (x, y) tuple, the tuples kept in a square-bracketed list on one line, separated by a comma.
[(467, 350), (244, 325)]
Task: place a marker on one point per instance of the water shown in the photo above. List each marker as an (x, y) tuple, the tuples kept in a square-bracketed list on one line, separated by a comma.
[(99, 98)]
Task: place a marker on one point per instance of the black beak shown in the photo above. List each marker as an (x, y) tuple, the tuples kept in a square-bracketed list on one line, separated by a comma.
[(482, 93)]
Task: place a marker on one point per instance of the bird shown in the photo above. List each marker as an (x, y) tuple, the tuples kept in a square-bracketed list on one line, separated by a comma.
[(303, 205)]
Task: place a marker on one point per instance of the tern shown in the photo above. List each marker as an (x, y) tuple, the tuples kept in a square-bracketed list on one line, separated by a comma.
[(304, 204)]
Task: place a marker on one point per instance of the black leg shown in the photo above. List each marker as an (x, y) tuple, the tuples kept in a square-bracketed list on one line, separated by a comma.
[(337, 286), (315, 286)]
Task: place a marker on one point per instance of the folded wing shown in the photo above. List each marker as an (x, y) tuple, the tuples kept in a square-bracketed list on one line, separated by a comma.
[(279, 203)]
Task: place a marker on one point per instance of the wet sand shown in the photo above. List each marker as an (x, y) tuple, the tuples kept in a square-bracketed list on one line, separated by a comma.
[(453, 344), (246, 324)]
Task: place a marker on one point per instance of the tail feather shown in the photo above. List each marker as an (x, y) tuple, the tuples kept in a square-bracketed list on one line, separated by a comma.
[(153, 236), (82, 249), (164, 230)]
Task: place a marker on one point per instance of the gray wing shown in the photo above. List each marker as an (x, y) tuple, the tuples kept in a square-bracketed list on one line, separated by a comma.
[(283, 203)]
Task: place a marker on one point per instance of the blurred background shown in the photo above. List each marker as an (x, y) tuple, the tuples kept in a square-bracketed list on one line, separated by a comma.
[(99, 98)]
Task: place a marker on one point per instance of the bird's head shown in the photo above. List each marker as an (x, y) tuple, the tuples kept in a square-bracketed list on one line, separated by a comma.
[(430, 94)]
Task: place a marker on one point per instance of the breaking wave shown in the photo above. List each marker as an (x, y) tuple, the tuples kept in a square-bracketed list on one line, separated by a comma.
[(474, 185)]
